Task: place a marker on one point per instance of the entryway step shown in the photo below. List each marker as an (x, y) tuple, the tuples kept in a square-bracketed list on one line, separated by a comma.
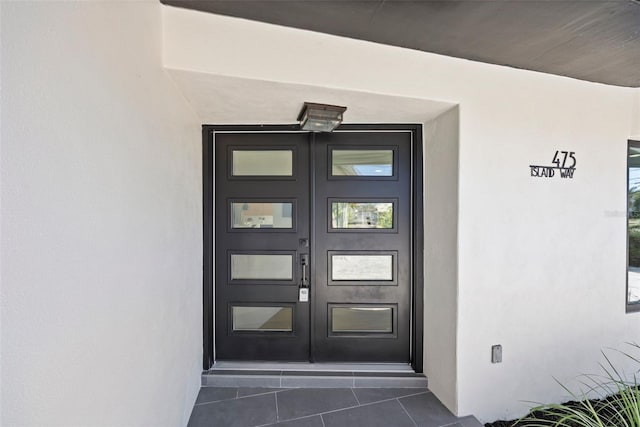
[(312, 376)]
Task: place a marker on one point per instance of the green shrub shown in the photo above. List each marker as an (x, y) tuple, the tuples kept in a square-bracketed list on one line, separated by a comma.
[(634, 247), (617, 403)]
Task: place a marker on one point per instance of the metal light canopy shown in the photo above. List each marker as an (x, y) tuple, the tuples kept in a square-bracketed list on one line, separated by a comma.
[(320, 117)]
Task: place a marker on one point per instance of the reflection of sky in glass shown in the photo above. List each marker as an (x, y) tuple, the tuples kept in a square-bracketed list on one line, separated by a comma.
[(386, 170), (634, 285), (634, 178)]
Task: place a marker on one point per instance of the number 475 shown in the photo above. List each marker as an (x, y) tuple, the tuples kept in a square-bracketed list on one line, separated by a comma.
[(564, 155)]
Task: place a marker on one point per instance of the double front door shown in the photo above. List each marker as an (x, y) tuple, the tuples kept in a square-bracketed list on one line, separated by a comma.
[(313, 246)]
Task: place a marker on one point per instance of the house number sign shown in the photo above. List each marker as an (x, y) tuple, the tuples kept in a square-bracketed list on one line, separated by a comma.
[(563, 161)]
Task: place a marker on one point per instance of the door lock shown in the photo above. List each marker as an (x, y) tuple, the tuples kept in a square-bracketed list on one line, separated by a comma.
[(304, 282), (304, 262)]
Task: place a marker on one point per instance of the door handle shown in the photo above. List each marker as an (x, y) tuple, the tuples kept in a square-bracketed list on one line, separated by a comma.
[(304, 262)]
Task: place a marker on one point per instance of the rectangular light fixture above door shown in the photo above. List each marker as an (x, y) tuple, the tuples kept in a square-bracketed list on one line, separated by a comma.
[(320, 117)]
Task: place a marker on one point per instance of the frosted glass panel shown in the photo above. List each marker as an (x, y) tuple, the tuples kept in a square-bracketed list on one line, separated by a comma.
[(362, 162), (262, 163), (263, 319), (261, 267), (362, 267), (361, 215), (262, 215), (362, 319)]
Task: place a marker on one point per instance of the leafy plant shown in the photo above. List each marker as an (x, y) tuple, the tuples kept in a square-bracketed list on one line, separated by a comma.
[(634, 244), (617, 402)]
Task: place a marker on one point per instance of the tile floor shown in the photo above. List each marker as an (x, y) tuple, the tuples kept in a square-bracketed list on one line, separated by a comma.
[(322, 407), (306, 379)]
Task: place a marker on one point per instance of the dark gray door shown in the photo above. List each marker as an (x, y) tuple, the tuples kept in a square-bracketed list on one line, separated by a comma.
[(362, 247), (328, 214), (261, 234)]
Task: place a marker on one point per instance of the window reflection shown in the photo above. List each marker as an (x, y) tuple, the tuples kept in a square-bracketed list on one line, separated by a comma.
[(262, 163), (633, 290), (345, 215), (361, 267), (362, 162), (262, 215), (266, 319), (362, 319), (261, 267)]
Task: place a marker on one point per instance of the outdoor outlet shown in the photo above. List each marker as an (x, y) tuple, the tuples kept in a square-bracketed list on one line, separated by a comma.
[(496, 354)]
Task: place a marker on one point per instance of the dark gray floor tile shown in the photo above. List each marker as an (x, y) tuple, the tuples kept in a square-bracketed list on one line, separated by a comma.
[(245, 412), (390, 382), (370, 395), (314, 421), (427, 411), (388, 374), (317, 374), (243, 372), (384, 414), (469, 421), (298, 403), (214, 394), (317, 382), (252, 391), (241, 381)]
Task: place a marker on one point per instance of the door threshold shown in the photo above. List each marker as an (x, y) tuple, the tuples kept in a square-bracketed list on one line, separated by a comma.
[(312, 375), (311, 367)]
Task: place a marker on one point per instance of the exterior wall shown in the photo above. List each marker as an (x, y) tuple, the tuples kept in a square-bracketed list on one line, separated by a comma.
[(441, 254), (635, 117), (101, 220), (541, 262)]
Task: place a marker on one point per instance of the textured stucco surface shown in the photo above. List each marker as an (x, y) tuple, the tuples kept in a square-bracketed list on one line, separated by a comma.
[(101, 220), (541, 262)]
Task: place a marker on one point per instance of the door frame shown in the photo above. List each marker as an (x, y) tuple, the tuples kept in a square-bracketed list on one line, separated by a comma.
[(417, 236)]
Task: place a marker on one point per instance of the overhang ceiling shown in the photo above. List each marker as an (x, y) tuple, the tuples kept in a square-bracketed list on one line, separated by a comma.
[(236, 100), (591, 40)]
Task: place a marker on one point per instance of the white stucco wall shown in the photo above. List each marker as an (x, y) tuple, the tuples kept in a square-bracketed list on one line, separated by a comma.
[(101, 220), (635, 117), (541, 262), (441, 153)]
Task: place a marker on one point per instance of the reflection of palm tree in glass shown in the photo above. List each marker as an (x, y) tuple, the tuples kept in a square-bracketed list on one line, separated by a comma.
[(385, 217), (633, 210), (634, 217), (362, 215), (340, 220)]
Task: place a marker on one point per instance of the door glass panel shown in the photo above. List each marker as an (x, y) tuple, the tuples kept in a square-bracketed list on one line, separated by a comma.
[(362, 162), (261, 267), (262, 163), (262, 319), (362, 267), (633, 224), (361, 215), (362, 319), (261, 215)]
